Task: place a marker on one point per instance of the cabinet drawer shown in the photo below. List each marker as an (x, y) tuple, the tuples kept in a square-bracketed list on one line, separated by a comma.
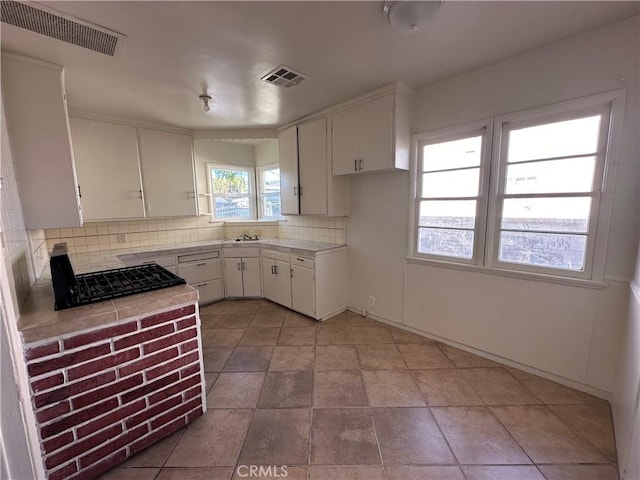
[(302, 261), (196, 272), (284, 257), (195, 257), (209, 291), (167, 261), (241, 252)]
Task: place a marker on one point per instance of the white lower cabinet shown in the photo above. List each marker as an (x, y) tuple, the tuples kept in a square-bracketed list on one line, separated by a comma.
[(242, 273), (276, 277), (303, 298), (203, 271)]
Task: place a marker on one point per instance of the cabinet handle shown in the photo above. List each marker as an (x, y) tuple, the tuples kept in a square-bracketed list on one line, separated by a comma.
[(79, 192), (275, 267), (191, 194), (201, 264), (291, 273), (355, 164), (239, 266), (140, 191), (243, 265), (201, 285), (360, 164), (295, 191)]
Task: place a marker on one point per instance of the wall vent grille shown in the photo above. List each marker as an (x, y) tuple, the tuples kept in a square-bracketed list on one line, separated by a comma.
[(284, 76), (56, 25)]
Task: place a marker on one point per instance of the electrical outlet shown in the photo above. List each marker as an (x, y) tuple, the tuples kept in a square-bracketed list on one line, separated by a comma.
[(372, 302)]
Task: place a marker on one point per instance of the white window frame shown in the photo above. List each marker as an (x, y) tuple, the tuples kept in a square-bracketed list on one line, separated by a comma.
[(494, 181), (260, 193), (251, 195), (483, 128)]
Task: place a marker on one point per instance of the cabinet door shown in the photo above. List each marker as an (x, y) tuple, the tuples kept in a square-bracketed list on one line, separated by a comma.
[(303, 290), (269, 280), (108, 169), (251, 277), (312, 151), (376, 135), (233, 277), (344, 141), (38, 129), (283, 280), (288, 152), (167, 173)]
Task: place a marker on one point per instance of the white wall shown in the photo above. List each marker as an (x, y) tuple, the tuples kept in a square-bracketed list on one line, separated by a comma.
[(571, 332), (266, 152)]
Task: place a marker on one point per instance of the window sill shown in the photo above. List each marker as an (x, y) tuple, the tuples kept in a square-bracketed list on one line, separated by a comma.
[(535, 277), (247, 221)]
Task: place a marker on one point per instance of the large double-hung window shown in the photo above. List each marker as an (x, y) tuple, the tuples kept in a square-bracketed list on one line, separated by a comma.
[(522, 192)]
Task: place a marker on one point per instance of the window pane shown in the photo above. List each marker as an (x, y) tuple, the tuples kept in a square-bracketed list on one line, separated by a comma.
[(230, 181), (271, 205), (543, 249), (559, 139), (568, 176), (271, 180), (458, 183), (232, 207), (448, 213), (554, 214), (455, 154), (451, 243)]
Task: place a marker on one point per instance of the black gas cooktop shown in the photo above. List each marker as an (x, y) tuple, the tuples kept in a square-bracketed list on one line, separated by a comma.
[(72, 290)]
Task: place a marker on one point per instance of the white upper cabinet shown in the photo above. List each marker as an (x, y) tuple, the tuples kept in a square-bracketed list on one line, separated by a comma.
[(372, 136), (38, 128), (288, 151), (306, 184), (167, 172), (108, 169)]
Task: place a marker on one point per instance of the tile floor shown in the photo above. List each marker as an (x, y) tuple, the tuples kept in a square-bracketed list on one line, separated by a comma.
[(354, 399)]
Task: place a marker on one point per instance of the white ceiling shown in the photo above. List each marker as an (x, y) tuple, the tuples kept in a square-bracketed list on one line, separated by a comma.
[(176, 50)]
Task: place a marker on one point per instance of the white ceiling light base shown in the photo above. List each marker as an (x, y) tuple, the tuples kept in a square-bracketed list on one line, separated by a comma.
[(408, 16)]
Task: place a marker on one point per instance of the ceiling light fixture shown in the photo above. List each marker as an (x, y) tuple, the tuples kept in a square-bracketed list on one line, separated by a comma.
[(408, 16), (205, 102)]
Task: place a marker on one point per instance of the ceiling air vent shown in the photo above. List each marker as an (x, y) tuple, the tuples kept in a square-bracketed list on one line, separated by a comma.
[(284, 76), (51, 23)]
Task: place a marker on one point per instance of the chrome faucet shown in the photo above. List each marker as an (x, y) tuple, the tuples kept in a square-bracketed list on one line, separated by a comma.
[(246, 237)]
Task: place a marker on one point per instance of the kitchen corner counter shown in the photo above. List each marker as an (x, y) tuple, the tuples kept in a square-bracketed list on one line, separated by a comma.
[(39, 321)]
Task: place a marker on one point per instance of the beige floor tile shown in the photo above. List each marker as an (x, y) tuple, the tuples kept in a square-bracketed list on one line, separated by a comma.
[(462, 359), (277, 437), (445, 388), (476, 437), (236, 390), (214, 308), (222, 337), (268, 306), (346, 473), (292, 358), (334, 335), (371, 335), (209, 380), (579, 472), (419, 356), (357, 320), (496, 386), (502, 472), (270, 319), (591, 421), (544, 437), (235, 320), (249, 359), (339, 389), (210, 320), (294, 319), (380, 357), (341, 319), (273, 472), (218, 473), (214, 439), (403, 336), (243, 306), (259, 336), (410, 436), (391, 388), (215, 358), (343, 436), (156, 454), (336, 357), (426, 472), (297, 336), (286, 390), (551, 392), (122, 473)]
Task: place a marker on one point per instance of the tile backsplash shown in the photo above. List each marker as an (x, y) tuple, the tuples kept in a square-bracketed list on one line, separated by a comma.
[(123, 234)]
